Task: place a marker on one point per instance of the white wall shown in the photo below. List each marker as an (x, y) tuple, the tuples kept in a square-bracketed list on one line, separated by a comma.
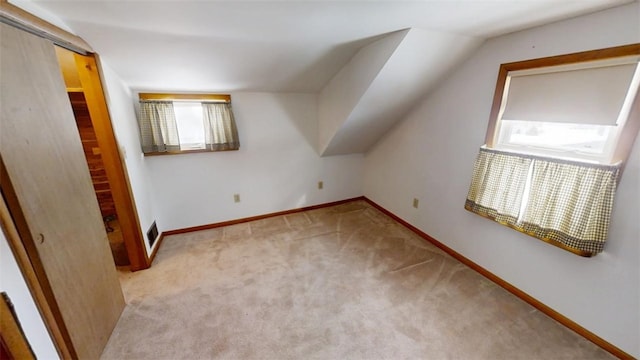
[(416, 65), (340, 96), (430, 156), (12, 282), (276, 168), (125, 126)]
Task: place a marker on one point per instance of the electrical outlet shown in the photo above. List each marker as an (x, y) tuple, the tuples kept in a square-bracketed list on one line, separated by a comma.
[(320, 185), (236, 198), (415, 203)]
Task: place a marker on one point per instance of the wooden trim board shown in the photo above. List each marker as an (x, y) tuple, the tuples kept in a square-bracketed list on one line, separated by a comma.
[(510, 288), (12, 335), (89, 74), (186, 97), (258, 217), (243, 220)]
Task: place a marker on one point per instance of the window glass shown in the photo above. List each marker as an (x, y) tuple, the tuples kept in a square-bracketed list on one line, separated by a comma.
[(559, 139), (554, 111), (190, 125)]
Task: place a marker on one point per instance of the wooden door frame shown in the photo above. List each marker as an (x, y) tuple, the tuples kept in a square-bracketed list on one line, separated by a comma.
[(12, 337), (89, 73)]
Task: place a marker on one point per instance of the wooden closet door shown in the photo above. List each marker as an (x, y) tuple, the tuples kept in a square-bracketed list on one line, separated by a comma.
[(53, 199)]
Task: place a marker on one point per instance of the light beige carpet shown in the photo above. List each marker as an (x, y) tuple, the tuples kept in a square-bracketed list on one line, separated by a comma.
[(344, 282)]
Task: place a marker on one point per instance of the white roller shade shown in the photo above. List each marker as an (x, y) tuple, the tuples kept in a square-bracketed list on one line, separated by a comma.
[(585, 96)]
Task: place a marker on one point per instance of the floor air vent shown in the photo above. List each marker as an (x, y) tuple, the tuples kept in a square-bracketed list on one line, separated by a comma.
[(152, 234)]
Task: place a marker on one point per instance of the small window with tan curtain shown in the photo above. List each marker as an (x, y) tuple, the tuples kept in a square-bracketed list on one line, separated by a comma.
[(182, 123), (560, 132)]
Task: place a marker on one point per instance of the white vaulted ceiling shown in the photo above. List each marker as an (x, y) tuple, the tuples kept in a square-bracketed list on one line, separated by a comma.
[(351, 53), (284, 46)]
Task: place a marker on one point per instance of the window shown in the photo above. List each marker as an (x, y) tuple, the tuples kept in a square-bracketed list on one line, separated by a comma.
[(179, 123), (190, 124), (560, 131), (570, 140), (574, 111)]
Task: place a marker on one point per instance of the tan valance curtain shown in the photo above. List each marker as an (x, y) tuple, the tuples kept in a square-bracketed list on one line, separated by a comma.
[(158, 127), (566, 203), (571, 204), (220, 132), (497, 186)]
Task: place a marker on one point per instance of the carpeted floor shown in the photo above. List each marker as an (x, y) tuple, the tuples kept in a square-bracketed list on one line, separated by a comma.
[(344, 282)]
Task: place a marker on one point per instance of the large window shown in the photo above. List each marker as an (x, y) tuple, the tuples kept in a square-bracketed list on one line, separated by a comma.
[(560, 132), (574, 111), (179, 123)]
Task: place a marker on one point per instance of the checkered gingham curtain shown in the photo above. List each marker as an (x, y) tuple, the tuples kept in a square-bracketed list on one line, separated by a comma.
[(571, 203), (158, 127), (220, 131), (568, 202), (497, 186)]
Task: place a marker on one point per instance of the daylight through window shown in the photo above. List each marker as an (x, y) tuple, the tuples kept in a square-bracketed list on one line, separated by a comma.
[(190, 124), (179, 123), (575, 112), (560, 132)]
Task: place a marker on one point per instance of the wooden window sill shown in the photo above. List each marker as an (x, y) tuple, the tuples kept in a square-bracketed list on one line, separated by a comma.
[(181, 152)]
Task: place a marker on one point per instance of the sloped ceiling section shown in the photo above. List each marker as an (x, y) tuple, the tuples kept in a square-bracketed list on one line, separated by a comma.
[(342, 94), (381, 83)]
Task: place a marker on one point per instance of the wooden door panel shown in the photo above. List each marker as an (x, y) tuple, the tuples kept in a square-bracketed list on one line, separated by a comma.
[(44, 160)]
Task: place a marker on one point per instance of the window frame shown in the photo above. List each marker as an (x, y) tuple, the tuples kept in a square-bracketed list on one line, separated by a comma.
[(628, 133), (184, 97)]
